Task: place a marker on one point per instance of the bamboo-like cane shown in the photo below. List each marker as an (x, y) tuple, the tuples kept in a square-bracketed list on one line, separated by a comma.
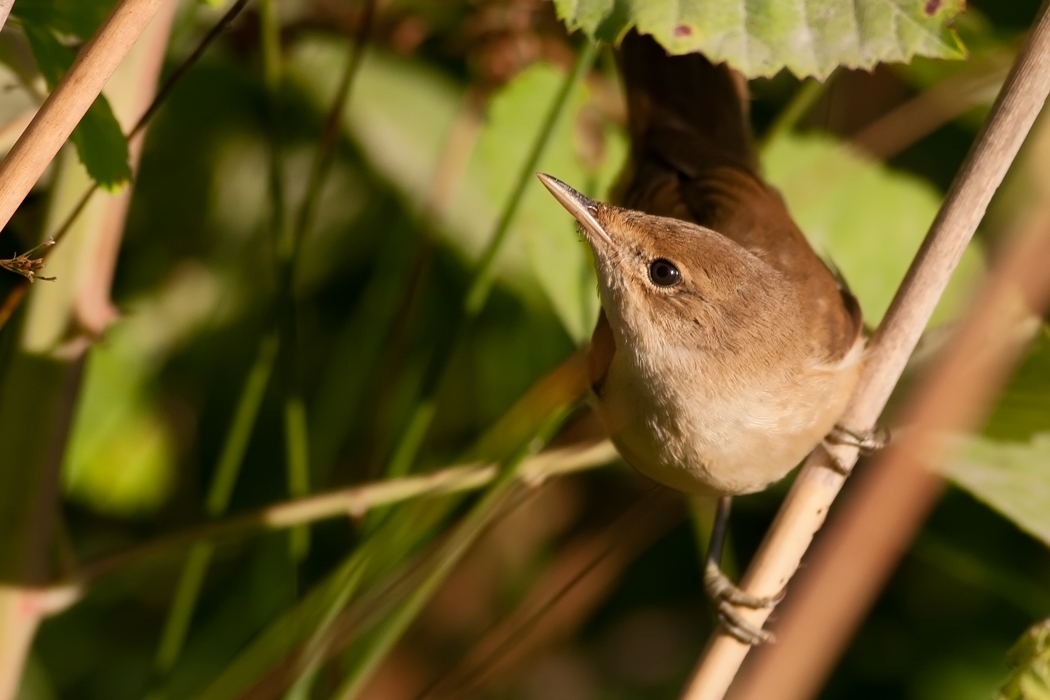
[(847, 568), (806, 505)]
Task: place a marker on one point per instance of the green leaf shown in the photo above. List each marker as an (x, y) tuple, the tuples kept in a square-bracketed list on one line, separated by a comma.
[(1030, 660), (402, 116), (1010, 477), (1007, 467), (760, 37), (121, 457), (98, 138), (79, 18), (868, 219), (1024, 408), (559, 258)]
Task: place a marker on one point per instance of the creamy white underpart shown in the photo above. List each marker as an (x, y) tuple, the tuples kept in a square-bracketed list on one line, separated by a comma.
[(737, 441)]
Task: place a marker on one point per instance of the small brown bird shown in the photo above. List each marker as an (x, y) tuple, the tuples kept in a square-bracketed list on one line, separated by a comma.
[(726, 350)]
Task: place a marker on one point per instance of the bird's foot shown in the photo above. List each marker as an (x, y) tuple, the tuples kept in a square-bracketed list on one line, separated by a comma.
[(725, 595), (867, 442)]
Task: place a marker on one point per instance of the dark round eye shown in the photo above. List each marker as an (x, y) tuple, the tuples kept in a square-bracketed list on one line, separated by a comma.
[(663, 273)]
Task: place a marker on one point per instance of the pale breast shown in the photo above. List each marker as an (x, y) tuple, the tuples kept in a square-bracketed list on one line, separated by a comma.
[(715, 437)]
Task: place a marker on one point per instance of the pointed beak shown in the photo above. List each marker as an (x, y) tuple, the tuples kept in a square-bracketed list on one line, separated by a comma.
[(582, 208)]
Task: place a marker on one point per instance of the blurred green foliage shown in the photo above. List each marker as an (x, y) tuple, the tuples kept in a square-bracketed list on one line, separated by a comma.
[(1031, 659), (380, 278), (98, 138)]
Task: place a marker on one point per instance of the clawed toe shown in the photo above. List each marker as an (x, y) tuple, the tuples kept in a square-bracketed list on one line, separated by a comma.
[(720, 588), (725, 594), (866, 441), (740, 629)]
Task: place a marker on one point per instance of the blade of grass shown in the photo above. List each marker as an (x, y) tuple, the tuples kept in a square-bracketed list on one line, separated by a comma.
[(450, 553), (235, 444), (419, 423), (297, 438), (239, 434)]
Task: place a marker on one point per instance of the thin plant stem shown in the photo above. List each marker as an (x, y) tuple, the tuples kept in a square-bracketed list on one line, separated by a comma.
[(451, 552), (297, 441), (799, 106), (419, 423), (351, 502), (890, 500), (17, 293), (235, 444), (324, 155), (41, 385), (803, 512), (485, 270), (183, 605)]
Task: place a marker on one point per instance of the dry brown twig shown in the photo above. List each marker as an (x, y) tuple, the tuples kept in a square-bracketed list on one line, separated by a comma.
[(67, 103), (847, 568), (931, 109), (818, 483), (356, 501)]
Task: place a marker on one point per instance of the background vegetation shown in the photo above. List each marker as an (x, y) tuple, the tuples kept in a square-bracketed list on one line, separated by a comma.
[(309, 298)]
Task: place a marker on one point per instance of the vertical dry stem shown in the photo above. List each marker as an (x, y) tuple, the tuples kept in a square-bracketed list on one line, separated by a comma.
[(40, 414), (847, 568), (818, 483)]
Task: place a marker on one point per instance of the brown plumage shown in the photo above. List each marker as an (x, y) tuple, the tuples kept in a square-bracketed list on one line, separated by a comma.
[(726, 349)]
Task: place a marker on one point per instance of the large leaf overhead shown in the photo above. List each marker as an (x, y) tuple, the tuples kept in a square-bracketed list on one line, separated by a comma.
[(760, 37)]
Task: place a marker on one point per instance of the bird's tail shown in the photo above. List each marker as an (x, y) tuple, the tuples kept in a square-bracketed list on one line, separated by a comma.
[(685, 107)]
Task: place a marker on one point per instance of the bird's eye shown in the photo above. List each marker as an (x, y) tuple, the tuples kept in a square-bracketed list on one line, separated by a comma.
[(663, 273)]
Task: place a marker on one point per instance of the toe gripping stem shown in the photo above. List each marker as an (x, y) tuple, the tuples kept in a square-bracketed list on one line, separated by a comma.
[(867, 442), (725, 594)]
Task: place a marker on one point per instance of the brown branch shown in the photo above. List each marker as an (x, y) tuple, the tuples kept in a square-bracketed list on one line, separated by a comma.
[(933, 108), (355, 502), (69, 101), (848, 566), (818, 483)]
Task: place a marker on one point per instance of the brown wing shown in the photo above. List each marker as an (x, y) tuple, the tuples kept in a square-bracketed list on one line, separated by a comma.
[(692, 158)]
